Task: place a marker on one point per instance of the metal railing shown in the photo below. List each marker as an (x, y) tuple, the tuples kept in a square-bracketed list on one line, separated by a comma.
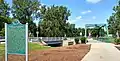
[(37, 39)]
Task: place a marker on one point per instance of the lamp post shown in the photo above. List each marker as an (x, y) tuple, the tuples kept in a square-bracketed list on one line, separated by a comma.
[(30, 36), (117, 34), (89, 35), (37, 34), (85, 31), (80, 33), (65, 35)]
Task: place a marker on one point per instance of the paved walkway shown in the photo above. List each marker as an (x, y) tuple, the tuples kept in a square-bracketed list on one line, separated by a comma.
[(102, 52)]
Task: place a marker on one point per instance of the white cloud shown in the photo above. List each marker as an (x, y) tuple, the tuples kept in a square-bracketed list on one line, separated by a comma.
[(75, 20), (43, 4), (72, 21), (85, 12), (94, 17), (93, 1), (79, 17)]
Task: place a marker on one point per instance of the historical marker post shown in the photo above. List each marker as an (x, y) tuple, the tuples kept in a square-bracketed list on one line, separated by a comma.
[(16, 38), (6, 57)]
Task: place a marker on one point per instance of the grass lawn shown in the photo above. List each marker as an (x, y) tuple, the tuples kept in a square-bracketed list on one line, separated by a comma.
[(107, 40), (2, 50), (32, 47)]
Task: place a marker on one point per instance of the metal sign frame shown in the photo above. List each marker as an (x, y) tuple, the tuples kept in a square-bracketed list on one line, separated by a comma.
[(93, 25), (26, 45)]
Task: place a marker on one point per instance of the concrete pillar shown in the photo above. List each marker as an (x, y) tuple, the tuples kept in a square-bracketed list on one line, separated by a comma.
[(107, 30), (85, 31), (117, 34)]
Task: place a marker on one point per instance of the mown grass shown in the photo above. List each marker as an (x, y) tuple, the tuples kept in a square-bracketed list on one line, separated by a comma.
[(2, 50), (109, 40), (36, 46)]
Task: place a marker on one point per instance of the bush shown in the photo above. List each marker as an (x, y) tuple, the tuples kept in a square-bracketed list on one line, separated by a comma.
[(117, 41), (77, 40), (83, 40)]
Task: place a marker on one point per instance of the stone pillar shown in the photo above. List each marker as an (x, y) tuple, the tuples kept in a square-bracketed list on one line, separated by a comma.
[(107, 30)]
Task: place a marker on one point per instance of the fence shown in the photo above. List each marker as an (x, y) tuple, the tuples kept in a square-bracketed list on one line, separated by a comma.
[(37, 39)]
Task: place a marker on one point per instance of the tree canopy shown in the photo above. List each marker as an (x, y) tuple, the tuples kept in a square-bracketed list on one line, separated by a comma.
[(4, 15), (114, 20), (26, 11), (53, 21)]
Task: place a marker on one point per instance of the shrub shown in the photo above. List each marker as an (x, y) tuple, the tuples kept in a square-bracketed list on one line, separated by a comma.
[(83, 40), (117, 41), (77, 40)]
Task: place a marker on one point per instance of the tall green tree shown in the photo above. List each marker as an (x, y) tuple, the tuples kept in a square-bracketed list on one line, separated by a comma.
[(53, 23), (4, 14), (114, 20), (26, 11), (1, 1), (98, 31)]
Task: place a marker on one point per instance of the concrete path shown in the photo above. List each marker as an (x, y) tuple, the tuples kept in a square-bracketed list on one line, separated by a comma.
[(102, 52)]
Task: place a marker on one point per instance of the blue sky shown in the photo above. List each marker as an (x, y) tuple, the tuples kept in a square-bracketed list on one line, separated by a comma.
[(85, 11)]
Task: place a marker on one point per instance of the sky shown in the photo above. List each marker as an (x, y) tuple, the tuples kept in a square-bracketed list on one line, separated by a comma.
[(84, 11)]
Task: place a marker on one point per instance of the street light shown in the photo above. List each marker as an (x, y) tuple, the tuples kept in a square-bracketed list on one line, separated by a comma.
[(117, 33), (65, 35), (37, 31), (37, 34), (80, 33), (30, 34)]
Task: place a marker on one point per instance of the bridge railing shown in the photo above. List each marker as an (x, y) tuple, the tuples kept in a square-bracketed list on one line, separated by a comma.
[(37, 39)]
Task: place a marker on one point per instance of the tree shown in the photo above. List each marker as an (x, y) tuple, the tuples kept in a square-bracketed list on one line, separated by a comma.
[(53, 22), (98, 31), (4, 13), (26, 11), (70, 30), (4, 16), (2, 32), (114, 20), (1, 1)]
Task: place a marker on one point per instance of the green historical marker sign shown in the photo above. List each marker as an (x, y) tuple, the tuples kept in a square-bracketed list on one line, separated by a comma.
[(16, 38)]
